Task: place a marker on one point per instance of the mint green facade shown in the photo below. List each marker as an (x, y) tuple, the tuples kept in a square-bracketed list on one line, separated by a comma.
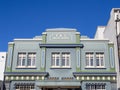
[(76, 76)]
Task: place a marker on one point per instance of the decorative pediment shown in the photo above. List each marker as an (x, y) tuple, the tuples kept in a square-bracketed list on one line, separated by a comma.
[(62, 36)]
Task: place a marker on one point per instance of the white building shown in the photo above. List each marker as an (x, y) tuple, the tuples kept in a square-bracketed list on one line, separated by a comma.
[(112, 32), (2, 65)]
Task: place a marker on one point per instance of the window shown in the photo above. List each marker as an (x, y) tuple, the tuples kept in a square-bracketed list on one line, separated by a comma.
[(95, 86), (89, 59), (65, 60), (99, 59), (94, 60), (26, 60), (31, 59), (21, 59), (25, 86), (60, 59), (56, 59)]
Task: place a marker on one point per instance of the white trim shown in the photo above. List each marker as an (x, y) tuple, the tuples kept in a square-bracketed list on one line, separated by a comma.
[(21, 67), (82, 39), (11, 43), (27, 39)]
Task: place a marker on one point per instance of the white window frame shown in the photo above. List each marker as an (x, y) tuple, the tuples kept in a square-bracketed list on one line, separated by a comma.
[(32, 58), (100, 57), (59, 63), (21, 59), (89, 58), (66, 56), (55, 59)]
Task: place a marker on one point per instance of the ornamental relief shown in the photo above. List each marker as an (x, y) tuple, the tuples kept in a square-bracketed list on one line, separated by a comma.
[(59, 36)]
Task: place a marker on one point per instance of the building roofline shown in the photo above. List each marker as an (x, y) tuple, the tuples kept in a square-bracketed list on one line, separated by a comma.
[(94, 39), (61, 29), (23, 39)]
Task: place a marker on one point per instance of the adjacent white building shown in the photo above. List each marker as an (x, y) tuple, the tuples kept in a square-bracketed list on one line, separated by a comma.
[(2, 65), (112, 32)]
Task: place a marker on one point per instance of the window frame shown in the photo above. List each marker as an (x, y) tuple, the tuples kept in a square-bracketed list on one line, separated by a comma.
[(32, 58), (101, 59), (95, 55), (26, 57), (21, 59), (66, 56), (60, 61), (54, 57), (88, 56)]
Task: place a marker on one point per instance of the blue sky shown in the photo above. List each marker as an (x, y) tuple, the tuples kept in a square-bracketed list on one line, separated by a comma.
[(28, 18)]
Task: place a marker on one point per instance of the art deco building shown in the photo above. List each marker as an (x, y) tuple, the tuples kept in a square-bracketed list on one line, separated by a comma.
[(60, 59)]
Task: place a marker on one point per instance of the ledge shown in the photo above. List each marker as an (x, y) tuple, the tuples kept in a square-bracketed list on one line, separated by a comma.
[(60, 67), (95, 67), (26, 73), (61, 45), (94, 73), (26, 67)]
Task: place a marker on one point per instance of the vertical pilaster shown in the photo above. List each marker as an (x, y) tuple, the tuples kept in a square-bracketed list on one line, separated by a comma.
[(10, 56), (78, 58), (42, 58)]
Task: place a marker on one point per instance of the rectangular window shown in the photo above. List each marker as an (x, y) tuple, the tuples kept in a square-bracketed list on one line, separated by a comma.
[(97, 86), (95, 62), (100, 59), (24, 86), (65, 59), (31, 59), (89, 59), (60, 59), (21, 59), (55, 59)]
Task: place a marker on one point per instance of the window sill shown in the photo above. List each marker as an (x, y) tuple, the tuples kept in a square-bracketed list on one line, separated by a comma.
[(19, 67), (60, 67), (90, 67), (95, 67), (101, 67)]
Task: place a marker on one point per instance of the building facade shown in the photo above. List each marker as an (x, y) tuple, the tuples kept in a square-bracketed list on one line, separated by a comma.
[(2, 64), (2, 68), (60, 59), (112, 32)]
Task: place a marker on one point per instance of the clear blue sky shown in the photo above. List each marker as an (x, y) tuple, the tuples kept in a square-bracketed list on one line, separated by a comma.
[(28, 18)]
